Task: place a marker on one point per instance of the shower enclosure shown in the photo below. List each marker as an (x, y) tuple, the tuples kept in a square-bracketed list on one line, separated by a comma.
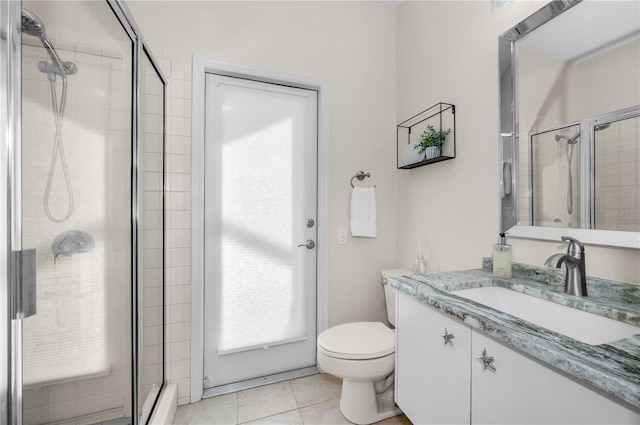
[(82, 128)]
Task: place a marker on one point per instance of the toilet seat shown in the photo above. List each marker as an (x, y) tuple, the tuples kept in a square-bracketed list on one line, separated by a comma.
[(357, 341)]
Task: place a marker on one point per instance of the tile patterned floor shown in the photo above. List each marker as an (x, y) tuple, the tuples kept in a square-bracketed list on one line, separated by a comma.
[(311, 400)]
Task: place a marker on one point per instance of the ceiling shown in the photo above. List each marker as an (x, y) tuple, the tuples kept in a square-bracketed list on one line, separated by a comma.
[(588, 28)]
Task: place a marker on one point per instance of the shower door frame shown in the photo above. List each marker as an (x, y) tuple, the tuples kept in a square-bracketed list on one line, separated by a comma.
[(10, 119), (10, 204)]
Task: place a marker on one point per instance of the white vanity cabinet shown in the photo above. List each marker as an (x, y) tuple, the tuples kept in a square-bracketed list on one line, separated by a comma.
[(432, 378), (523, 390), (448, 384)]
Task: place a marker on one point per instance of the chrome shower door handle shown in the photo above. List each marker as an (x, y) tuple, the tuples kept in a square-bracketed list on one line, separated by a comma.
[(309, 244), (23, 277)]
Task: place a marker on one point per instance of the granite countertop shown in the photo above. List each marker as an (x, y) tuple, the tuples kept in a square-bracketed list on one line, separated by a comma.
[(613, 367)]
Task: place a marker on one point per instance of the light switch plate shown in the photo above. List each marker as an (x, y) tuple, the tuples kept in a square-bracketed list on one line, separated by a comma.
[(342, 236)]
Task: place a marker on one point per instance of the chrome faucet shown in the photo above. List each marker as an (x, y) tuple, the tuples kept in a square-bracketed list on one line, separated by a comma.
[(576, 280)]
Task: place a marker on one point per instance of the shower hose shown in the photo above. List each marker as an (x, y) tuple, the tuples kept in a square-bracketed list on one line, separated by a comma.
[(58, 149)]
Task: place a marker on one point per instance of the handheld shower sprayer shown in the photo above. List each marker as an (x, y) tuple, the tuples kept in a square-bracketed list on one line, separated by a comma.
[(32, 25)]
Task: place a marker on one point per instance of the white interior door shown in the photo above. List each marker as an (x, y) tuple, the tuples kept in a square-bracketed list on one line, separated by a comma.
[(260, 205)]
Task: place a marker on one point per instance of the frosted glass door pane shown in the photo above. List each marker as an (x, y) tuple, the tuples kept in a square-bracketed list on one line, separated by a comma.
[(260, 271)]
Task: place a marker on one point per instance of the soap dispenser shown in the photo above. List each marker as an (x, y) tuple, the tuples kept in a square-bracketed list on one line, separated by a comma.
[(502, 257)]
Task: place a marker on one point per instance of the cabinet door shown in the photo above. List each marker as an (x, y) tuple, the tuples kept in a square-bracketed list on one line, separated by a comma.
[(523, 390), (432, 378)]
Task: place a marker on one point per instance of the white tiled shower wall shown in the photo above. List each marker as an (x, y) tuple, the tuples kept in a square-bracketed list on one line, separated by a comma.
[(617, 160), (176, 69)]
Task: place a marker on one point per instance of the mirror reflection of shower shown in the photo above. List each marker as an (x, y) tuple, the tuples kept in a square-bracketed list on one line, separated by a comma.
[(571, 142), (33, 26), (585, 174), (555, 186)]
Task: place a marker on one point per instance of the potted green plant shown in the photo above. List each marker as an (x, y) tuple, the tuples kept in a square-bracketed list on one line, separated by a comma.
[(431, 141)]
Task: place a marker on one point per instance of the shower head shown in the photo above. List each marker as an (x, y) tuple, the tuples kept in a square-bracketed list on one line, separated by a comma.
[(570, 141), (32, 25)]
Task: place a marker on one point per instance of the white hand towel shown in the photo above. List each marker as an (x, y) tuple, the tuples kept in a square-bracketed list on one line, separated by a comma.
[(363, 212)]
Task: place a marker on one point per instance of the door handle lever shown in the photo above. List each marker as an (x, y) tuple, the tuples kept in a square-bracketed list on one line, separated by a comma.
[(309, 244)]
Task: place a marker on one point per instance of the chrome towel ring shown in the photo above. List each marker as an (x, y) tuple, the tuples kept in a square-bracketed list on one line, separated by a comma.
[(360, 175)]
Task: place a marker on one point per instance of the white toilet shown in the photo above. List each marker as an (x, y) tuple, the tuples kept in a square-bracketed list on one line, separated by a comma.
[(363, 355)]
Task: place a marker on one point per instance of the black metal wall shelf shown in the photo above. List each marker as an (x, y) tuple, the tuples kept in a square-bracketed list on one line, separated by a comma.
[(442, 117)]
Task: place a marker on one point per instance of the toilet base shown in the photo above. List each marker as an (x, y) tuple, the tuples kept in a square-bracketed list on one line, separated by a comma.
[(360, 404)]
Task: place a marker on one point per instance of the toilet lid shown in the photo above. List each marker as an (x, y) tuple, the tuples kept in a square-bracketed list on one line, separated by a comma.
[(358, 340)]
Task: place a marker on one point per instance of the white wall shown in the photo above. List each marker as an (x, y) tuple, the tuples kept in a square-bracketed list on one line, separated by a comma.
[(350, 44), (448, 51)]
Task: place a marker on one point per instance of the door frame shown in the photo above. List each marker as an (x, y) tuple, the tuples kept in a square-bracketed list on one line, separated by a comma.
[(201, 66)]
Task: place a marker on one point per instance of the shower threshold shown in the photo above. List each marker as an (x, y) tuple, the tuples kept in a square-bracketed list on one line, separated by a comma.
[(257, 382)]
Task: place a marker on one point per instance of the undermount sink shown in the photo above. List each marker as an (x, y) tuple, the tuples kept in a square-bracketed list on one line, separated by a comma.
[(577, 324)]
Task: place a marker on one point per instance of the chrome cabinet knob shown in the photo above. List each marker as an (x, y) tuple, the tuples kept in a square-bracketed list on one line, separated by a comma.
[(487, 361), (309, 244), (447, 337)]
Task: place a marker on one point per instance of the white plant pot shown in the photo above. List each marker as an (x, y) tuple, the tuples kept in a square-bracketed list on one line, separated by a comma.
[(411, 154), (433, 152)]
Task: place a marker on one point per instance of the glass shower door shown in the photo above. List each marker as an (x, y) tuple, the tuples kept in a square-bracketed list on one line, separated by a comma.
[(76, 203)]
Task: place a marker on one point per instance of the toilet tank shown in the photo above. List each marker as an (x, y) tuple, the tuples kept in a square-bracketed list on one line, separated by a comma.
[(390, 292)]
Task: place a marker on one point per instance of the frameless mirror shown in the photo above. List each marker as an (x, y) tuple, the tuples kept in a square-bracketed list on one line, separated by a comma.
[(570, 123)]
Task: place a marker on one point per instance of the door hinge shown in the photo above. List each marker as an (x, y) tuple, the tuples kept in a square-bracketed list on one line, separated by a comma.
[(22, 268)]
